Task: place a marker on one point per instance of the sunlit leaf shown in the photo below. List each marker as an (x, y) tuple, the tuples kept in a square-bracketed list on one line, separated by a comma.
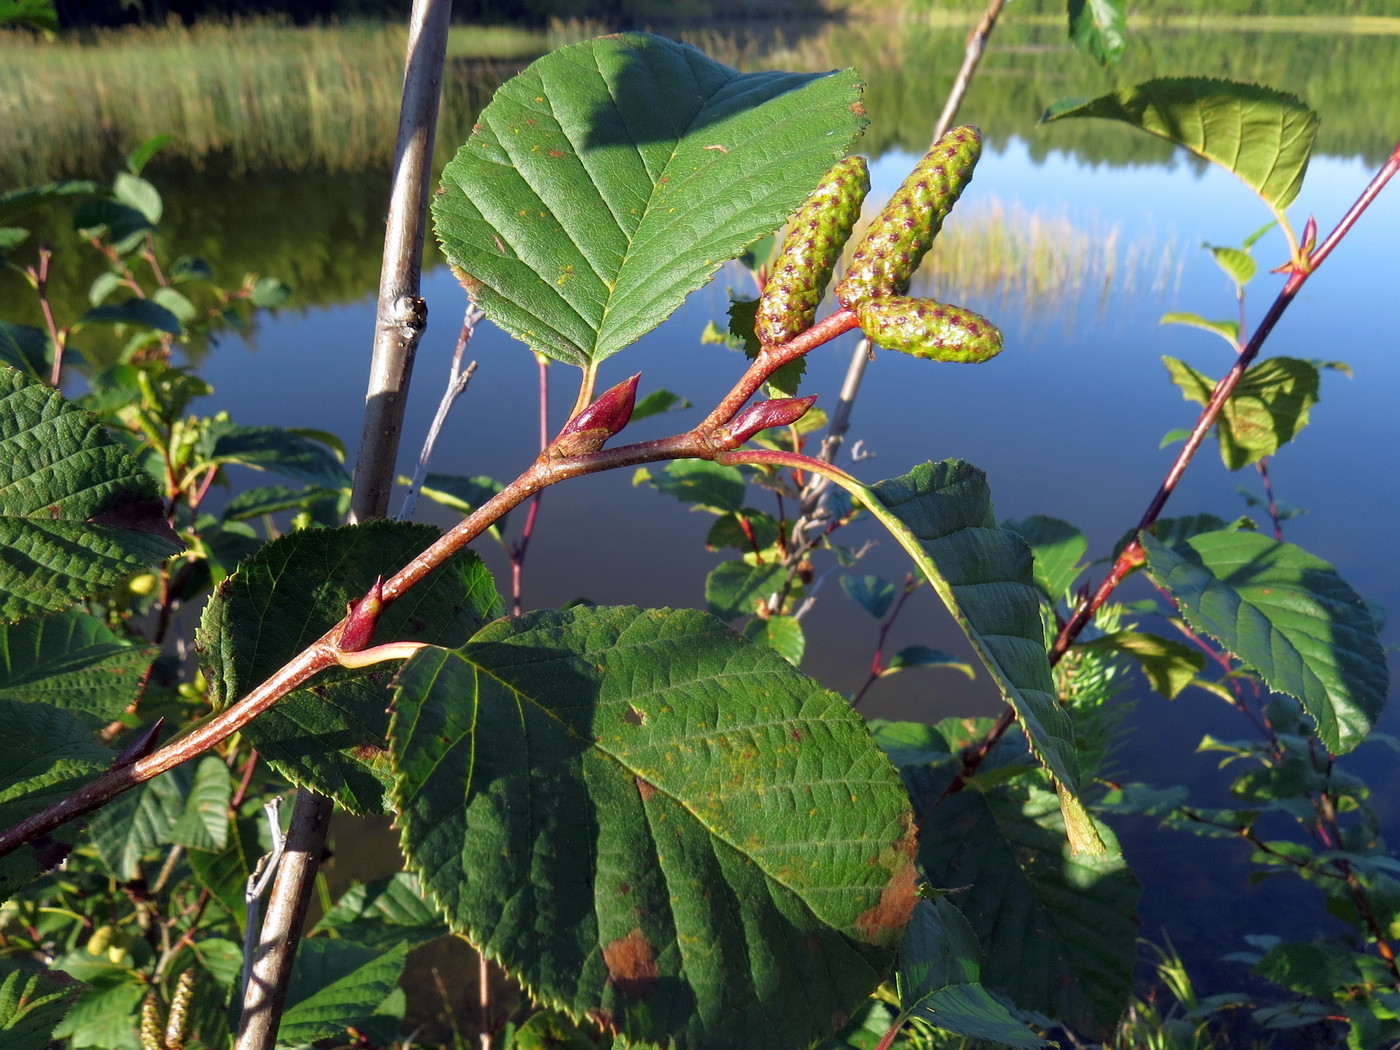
[(204, 824), (1170, 666), (69, 496), (1287, 615), (1261, 135), (657, 402), (139, 821), (782, 634), (941, 513), (613, 177), (1266, 410), (283, 451), (653, 823), (1227, 330), (1238, 265), (385, 912), (711, 486), (1099, 28), (735, 588), (31, 1006)]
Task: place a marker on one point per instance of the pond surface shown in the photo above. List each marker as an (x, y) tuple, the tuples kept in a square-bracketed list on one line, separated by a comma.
[(1066, 422)]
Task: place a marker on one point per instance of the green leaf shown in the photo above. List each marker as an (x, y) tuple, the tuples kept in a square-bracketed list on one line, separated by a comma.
[(27, 349), (204, 824), (383, 913), (135, 192), (871, 593), (654, 823), (735, 588), (71, 660), (599, 188), (711, 486), (463, 495), (224, 873), (330, 736), (923, 656), (140, 821), (941, 513), (1170, 666), (190, 268), (1267, 409), (657, 402), (11, 237), (909, 743), (138, 158), (269, 293), (336, 984), (1238, 265), (144, 312), (45, 754), (729, 530), (286, 452), (1227, 330), (1057, 547), (782, 634), (1287, 615), (939, 979), (1261, 135), (77, 512), (17, 202), (106, 1014), (120, 224), (270, 499), (31, 1006), (177, 303), (1099, 28), (1058, 929)]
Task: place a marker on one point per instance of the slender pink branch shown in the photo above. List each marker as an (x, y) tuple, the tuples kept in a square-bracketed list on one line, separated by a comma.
[(1133, 554)]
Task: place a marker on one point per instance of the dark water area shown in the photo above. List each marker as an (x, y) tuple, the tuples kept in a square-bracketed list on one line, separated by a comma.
[(1067, 422)]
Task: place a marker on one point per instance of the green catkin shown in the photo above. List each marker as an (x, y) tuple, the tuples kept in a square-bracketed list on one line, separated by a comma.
[(816, 235), (899, 237), (927, 329)]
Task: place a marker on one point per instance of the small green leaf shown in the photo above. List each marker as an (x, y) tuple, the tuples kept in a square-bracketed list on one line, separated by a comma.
[(103, 285), (1267, 409), (273, 448), (871, 593), (1227, 330), (176, 303), (1099, 28), (140, 821), (1287, 615), (1057, 547), (909, 743), (144, 312), (77, 511), (26, 349), (1170, 666), (384, 913), (138, 158), (599, 187), (621, 805), (73, 661), (204, 824), (105, 1015), (1263, 136), (463, 494), (336, 984), (749, 531), (135, 192), (1238, 265), (782, 634), (735, 588), (270, 499), (17, 202), (11, 237), (123, 226), (657, 402), (269, 293), (711, 486), (923, 656), (939, 979), (190, 268)]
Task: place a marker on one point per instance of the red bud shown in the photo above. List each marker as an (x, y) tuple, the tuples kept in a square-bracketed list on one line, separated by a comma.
[(361, 619), (591, 428), (780, 412)]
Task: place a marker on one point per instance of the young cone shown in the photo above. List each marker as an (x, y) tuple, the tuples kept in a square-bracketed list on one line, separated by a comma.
[(899, 237)]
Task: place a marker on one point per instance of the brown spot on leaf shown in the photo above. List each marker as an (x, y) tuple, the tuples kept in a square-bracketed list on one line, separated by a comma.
[(796, 734), (631, 964), (368, 752), (556, 153), (645, 788), (883, 923), (633, 717)]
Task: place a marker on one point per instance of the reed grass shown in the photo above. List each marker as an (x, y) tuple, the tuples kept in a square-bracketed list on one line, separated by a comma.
[(248, 94)]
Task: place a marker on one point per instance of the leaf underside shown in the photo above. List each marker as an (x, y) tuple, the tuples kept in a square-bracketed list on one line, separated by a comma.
[(654, 824), (612, 178)]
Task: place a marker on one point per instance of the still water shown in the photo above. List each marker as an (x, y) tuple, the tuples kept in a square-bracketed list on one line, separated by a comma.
[(1066, 422)]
